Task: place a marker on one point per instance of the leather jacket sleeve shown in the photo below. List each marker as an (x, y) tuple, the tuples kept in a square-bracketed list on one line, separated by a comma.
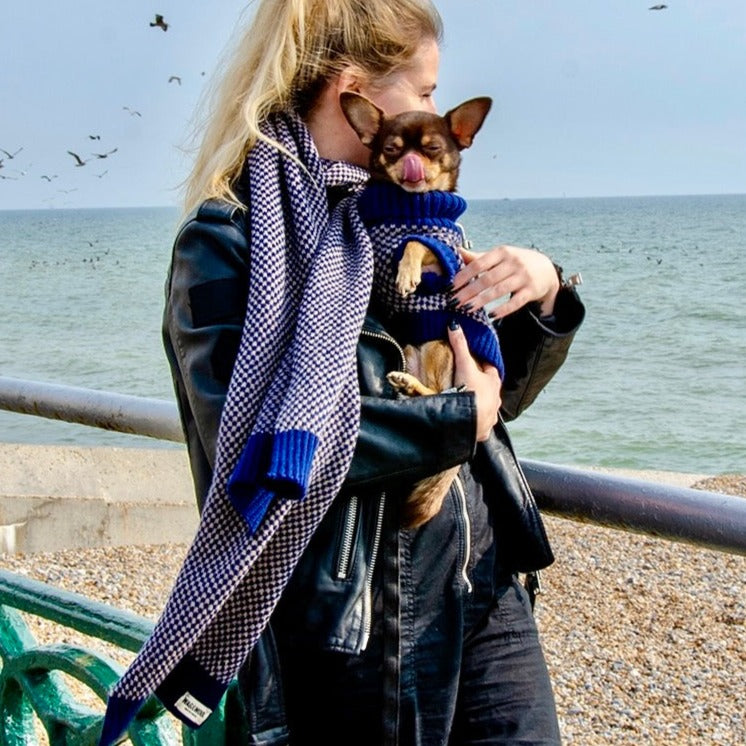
[(393, 446), (534, 349), (404, 440), (204, 312)]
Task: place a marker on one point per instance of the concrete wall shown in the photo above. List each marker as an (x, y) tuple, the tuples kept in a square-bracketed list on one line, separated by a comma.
[(61, 497), (68, 497)]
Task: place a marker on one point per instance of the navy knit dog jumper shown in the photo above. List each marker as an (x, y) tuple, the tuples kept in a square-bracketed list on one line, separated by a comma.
[(394, 216)]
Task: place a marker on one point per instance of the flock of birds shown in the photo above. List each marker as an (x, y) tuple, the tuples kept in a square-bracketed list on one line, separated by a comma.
[(10, 170), (90, 262), (14, 174)]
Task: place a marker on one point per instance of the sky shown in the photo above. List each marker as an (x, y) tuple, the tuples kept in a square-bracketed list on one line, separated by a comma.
[(591, 98)]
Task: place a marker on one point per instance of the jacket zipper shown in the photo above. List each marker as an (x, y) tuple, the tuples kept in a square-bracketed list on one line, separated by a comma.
[(368, 602), (387, 338), (348, 534), (350, 519), (467, 532)]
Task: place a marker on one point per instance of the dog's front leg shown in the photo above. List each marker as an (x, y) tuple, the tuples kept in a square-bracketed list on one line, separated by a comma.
[(409, 272)]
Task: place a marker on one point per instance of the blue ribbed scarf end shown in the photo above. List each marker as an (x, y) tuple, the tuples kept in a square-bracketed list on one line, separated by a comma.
[(188, 692), (271, 465)]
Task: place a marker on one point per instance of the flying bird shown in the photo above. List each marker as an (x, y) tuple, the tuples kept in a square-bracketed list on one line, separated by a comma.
[(103, 174), (176, 78), (78, 159), (132, 112), (11, 156), (159, 22), (48, 178), (105, 155), (657, 7), (94, 137)]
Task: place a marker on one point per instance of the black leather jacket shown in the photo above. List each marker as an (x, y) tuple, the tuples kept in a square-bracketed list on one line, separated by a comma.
[(400, 442)]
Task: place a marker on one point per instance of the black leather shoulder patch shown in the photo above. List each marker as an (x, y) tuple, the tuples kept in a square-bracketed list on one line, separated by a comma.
[(218, 301)]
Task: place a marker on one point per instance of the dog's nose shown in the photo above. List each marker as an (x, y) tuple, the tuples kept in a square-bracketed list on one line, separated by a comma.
[(413, 168)]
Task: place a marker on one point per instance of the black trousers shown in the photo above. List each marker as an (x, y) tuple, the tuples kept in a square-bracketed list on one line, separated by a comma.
[(503, 695), (471, 667)]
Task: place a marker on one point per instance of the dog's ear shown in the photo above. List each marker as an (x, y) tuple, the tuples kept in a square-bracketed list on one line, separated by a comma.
[(465, 120), (362, 114)]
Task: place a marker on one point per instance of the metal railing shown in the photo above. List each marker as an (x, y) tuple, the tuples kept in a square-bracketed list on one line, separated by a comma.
[(708, 519), (31, 682), (34, 691), (136, 415)]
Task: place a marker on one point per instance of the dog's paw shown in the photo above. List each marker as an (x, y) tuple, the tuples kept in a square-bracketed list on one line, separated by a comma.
[(407, 279), (407, 384)]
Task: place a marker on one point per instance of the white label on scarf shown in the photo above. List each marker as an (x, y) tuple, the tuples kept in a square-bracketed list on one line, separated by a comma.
[(192, 708)]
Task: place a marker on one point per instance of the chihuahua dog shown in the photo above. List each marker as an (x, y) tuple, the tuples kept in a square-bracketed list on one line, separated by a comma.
[(414, 166)]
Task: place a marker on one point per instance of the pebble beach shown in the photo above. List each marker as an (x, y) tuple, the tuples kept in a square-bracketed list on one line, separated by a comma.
[(645, 638)]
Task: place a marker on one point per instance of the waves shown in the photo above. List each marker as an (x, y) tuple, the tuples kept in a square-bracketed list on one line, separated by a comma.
[(656, 378)]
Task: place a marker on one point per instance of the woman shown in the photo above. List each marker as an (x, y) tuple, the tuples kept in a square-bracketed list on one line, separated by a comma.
[(381, 635)]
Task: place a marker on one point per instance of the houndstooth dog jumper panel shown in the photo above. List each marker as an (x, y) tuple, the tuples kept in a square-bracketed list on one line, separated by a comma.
[(287, 432), (394, 217)]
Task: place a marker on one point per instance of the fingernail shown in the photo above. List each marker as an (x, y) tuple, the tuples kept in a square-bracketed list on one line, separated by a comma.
[(453, 325), (467, 307), (451, 304)]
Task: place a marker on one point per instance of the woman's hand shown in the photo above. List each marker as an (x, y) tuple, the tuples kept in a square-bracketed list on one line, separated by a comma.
[(526, 274), (484, 381)]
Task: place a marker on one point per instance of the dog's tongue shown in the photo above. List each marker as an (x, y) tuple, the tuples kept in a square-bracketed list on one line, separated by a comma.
[(414, 171)]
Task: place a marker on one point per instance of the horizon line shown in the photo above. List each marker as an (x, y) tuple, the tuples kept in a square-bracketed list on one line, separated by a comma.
[(469, 199)]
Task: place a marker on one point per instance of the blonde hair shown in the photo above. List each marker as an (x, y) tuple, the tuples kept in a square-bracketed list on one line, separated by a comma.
[(283, 59)]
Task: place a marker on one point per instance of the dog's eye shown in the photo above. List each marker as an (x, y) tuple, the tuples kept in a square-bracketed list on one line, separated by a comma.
[(391, 150), (432, 148)]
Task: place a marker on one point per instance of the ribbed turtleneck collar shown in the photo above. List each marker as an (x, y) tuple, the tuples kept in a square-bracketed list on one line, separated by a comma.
[(384, 202)]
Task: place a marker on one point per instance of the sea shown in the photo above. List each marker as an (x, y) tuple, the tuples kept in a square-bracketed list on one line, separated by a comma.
[(655, 378)]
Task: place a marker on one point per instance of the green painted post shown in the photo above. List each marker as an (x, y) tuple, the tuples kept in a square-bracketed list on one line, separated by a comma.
[(16, 714)]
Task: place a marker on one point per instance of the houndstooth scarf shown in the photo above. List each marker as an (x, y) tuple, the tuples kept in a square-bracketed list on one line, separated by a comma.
[(287, 432)]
